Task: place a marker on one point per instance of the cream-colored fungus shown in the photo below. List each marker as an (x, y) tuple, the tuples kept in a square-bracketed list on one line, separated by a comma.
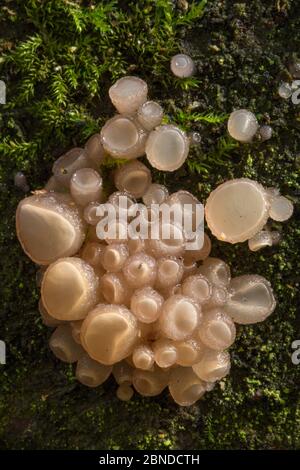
[(133, 177), (180, 317), (165, 352), (94, 150), (49, 226), (66, 165), (114, 256), (109, 333), (86, 186), (167, 148), (237, 209), (182, 65), (140, 270), (213, 365), (251, 299), (124, 392), (150, 115), (128, 94), (76, 330), (123, 137), (217, 330), (146, 304), (69, 289), (63, 346), (143, 357), (242, 125), (185, 386), (159, 312), (91, 373), (155, 194), (169, 272)]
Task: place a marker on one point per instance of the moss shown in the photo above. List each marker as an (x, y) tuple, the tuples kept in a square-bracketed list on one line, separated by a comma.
[(58, 61)]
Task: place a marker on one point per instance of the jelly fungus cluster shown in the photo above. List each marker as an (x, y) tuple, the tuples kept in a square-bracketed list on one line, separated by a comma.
[(153, 312), (238, 210), (243, 126)]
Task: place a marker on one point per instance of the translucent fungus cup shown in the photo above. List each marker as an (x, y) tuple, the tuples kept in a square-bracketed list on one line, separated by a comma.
[(180, 317), (182, 65), (146, 304), (217, 330), (236, 210), (63, 345), (242, 125), (167, 148), (133, 177), (150, 115), (185, 386), (128, 94), (123, 137), (86, 186), (91, 373), (49, 216), (109, 333), (251, 299), (213, 365), (69, 289)]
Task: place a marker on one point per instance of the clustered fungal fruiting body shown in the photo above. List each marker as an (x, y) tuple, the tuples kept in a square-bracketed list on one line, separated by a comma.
[(238, 210), (243, 126), (154, 312)]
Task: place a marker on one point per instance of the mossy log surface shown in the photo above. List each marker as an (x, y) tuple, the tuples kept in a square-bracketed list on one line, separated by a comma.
[(58, 60)]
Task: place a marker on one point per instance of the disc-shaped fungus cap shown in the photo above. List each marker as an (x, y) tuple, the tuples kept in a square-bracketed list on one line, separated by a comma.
[(49, 217), (189, 351), (133, 177), (185, 386), (128, 94), (69, 289), (114, 288), (217, 330), (197, 287), (216, 271), (90, 372), (140, 270), (242, 125), (169, 272), (281, 208), (123, 137), (86, 186), (236, 210), (64, 167), (182, 65), (167, 239), (150, 114), (180, 317), (155, 194), (187, 210), (197, 248), (146, 304), (114, 256), (109, 333), (251, 299), (213, 365), (165, 352), (167, 148), (123, 372), (150, 382), (94, 150), (63, 345), (143, 357)]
